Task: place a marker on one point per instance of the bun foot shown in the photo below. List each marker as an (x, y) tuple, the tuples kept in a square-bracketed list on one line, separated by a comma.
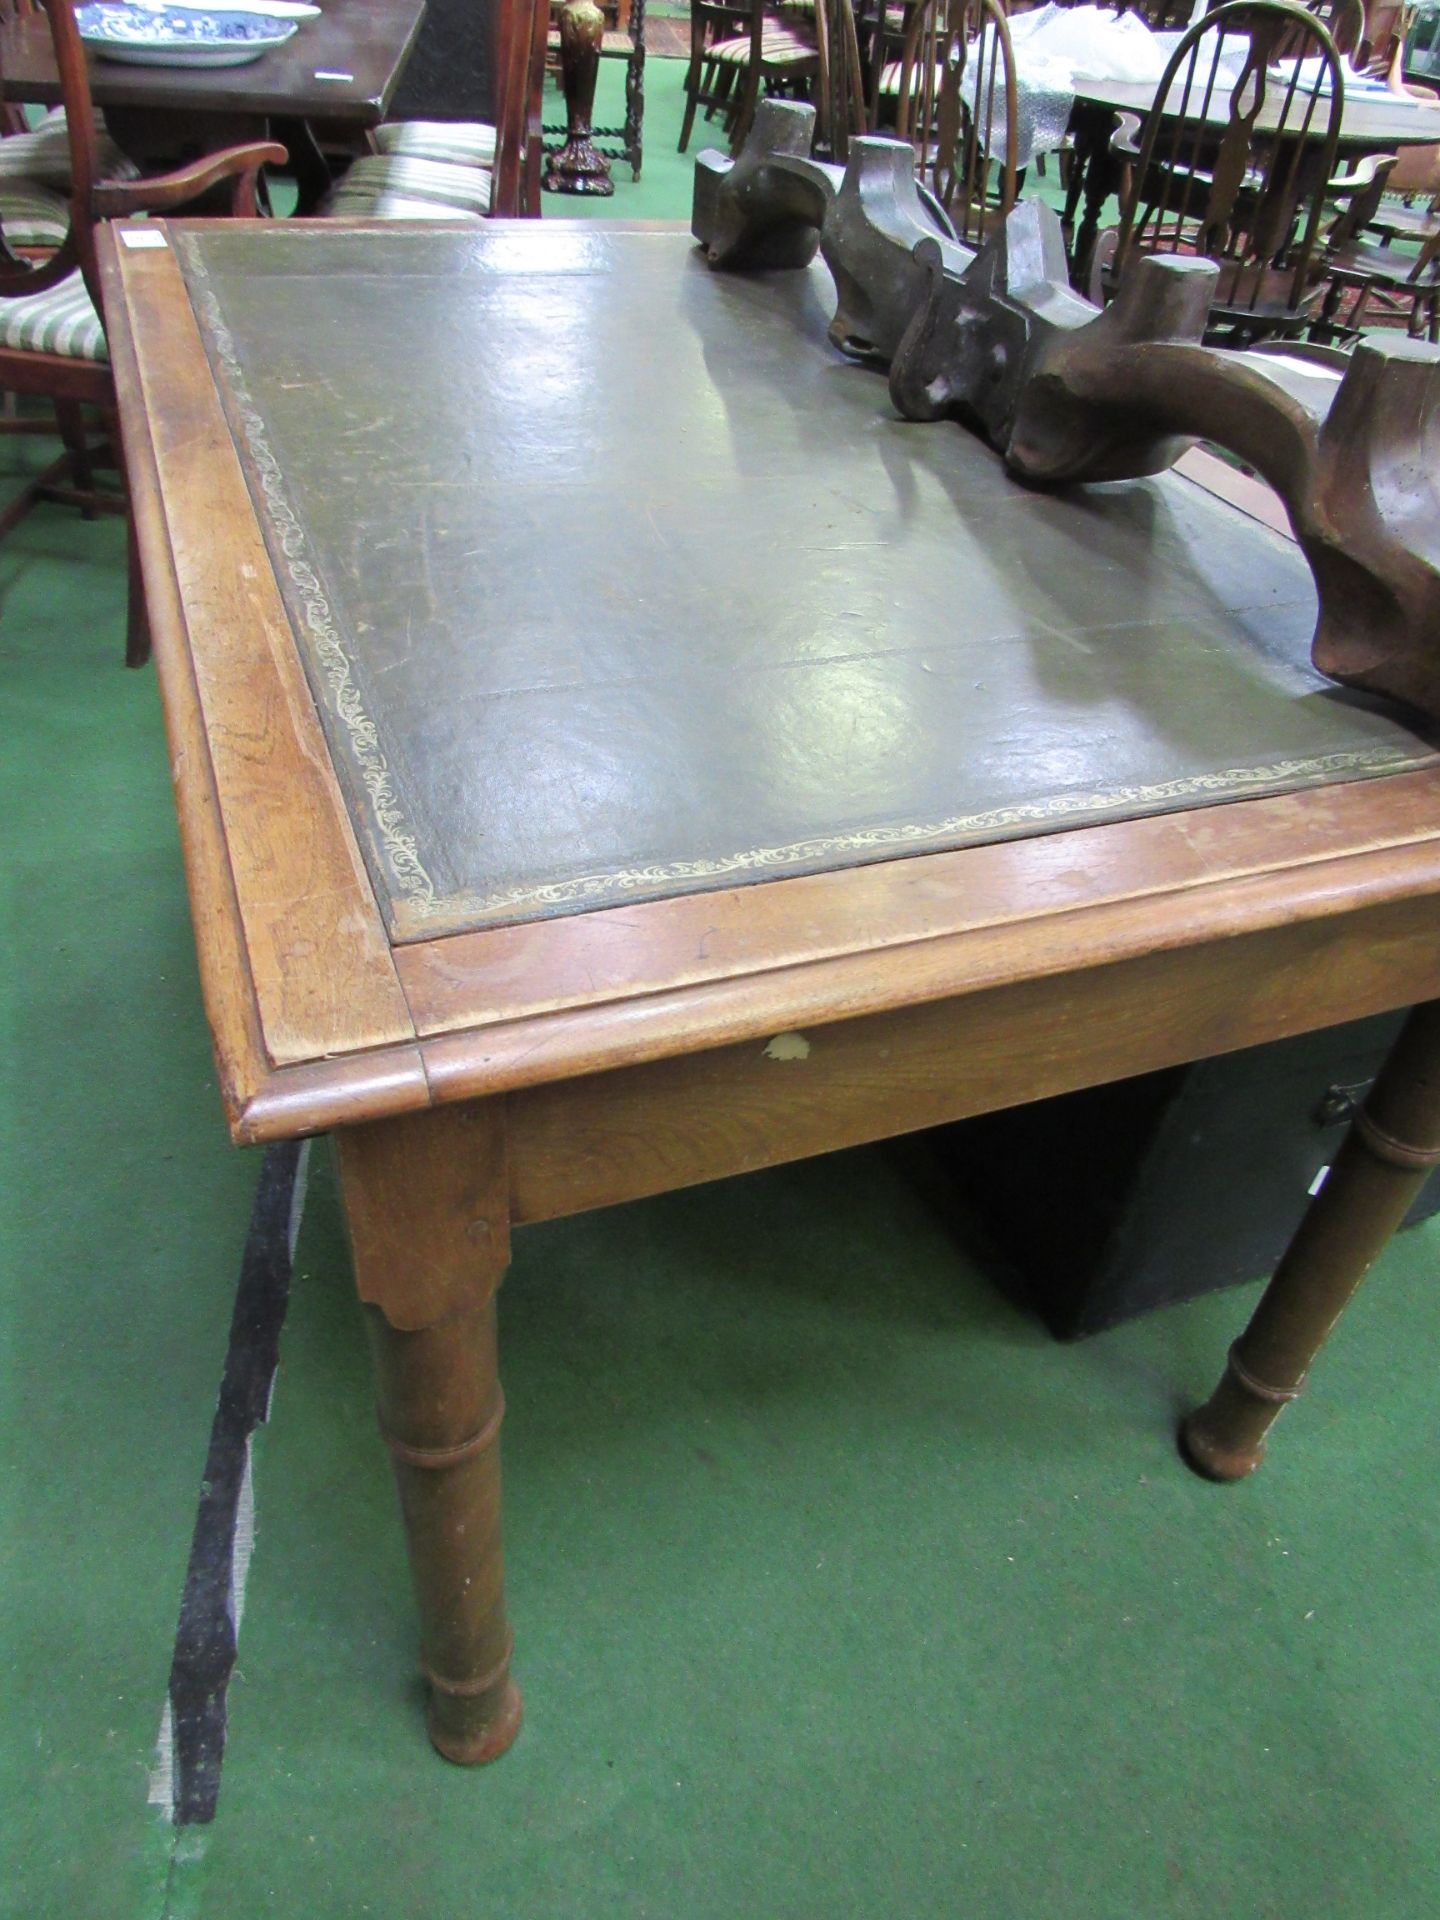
[(473, 1729)]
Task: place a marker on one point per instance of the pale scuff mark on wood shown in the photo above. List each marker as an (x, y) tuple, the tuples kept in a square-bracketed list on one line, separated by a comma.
[(788, 1046)]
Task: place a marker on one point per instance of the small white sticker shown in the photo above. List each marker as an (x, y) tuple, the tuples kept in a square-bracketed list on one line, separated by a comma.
[(1319, 1181), (333, 76), (143, 237)]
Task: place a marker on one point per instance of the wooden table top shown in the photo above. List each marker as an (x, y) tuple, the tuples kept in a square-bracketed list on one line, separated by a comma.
[(656, 686), (366, 41), (1368, 121)]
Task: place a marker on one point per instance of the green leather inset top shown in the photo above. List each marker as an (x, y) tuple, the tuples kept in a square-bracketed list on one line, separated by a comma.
[(613, 581)]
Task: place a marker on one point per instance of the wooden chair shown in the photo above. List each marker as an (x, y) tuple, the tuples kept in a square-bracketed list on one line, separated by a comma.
[(1409, 207), (737, 49), (842, 112), (463, 169), (52, 330), (1253, 201), (710, 81), (1397, 284), (1380, 275), (957, 52)]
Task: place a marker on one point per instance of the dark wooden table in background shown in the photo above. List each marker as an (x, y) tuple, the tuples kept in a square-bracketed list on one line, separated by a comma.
[(1369, 124), (163, 115), (600, 771)]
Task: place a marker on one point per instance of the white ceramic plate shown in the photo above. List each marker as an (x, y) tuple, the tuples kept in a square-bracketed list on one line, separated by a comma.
[(175, 37)]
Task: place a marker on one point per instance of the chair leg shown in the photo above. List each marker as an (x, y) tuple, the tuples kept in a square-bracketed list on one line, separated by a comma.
[(744, 111), (1323, 328), (137, 618), (694, 78), (71, 422)]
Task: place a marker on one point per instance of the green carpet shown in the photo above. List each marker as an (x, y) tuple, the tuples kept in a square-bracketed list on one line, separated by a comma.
[(838, 1588)]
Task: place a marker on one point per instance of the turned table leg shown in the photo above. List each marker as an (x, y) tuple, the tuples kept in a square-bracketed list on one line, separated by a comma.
[(426, 1199), (578, 166), (1392, 1145)]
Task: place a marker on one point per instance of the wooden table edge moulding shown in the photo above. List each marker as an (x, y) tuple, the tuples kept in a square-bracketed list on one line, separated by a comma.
[(495, 1078)]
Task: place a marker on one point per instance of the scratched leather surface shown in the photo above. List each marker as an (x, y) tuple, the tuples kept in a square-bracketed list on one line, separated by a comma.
[(613, 581)]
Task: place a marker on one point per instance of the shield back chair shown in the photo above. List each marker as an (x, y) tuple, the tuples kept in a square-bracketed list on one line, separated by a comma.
[(52, 331), (956, 102), (1237, 169), (463, 169)]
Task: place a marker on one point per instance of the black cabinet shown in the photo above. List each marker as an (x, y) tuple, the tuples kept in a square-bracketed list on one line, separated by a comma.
[(1100, 1205)]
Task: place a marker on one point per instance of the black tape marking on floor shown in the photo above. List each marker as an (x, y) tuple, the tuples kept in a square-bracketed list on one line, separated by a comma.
[(205, 1640)]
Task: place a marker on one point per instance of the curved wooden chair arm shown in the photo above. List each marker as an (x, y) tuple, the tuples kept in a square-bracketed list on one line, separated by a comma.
[(1362, 174), (21, 274), (1125, 140), (162, 192)]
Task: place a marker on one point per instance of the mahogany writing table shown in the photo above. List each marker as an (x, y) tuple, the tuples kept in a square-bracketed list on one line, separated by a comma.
[(612, 751)]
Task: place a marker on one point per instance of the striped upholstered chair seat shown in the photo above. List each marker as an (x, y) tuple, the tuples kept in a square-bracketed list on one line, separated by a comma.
[(464, 143), (387, 186), (62, 320), (777, 44), (890, 78), (32, 216), (43, 155)]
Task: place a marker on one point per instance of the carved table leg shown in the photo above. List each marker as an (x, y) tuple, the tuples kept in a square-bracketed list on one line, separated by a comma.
[(1097, 174), (578, 167), (1393, 1143), (426, 1199)]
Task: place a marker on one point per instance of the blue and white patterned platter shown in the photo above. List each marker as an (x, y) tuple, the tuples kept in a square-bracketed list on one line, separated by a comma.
[(176, 37)]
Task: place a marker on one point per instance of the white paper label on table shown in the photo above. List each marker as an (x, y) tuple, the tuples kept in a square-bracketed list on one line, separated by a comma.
[(143, 237)]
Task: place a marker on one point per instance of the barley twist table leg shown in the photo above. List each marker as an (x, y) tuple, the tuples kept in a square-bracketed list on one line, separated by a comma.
[(427, 1203), (1393, 1144)]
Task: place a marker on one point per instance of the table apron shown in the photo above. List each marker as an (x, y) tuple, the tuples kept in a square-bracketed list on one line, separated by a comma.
[(619, 1135)]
